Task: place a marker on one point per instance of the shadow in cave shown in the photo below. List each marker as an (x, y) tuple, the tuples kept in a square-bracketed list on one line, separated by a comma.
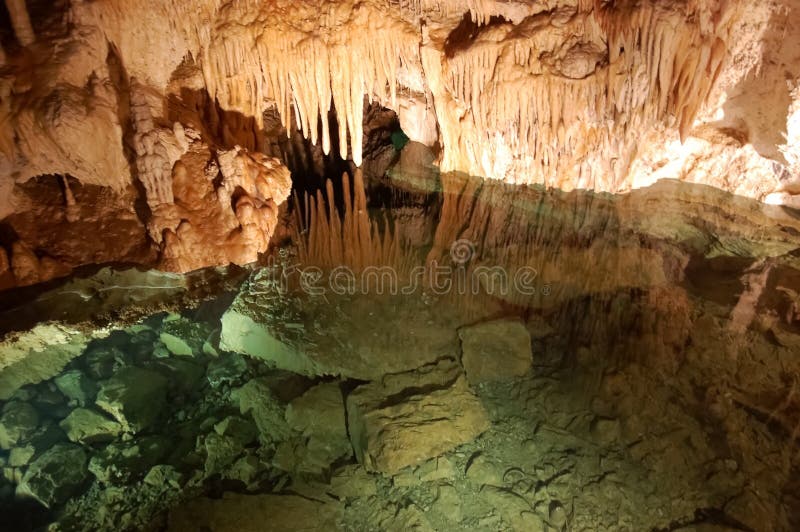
[(310, 168)]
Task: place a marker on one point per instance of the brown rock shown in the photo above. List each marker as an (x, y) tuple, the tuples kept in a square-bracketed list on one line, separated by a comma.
[(395, 424), (495, 350)]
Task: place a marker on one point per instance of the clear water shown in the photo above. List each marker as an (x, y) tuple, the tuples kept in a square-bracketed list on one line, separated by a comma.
[(658, 393)]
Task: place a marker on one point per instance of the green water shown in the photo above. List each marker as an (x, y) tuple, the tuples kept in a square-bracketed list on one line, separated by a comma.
[(479, 357)]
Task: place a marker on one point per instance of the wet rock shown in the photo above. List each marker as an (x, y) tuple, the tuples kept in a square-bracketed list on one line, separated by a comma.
[(76, 386), (44, 438), (102, 361), (448, 503), (340, 342), (256, 398), (557, 516), (183, 337), (440, 468), (17, 423), (319, 418), (495, 350), (51, 402), (163, 477), (409, 418), (55, 476), (134, 397), (606, 431), (241, 333), (247, 469), (25, 394), (514, 510), (183, 375), (482, 471), (241, 430), (226, 369), (234, 512), (89, 426), (220, 452), (126, 462), (352, 481), (20, 456)]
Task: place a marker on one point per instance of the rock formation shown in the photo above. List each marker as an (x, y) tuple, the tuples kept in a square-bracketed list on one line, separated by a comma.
[(166, 111)]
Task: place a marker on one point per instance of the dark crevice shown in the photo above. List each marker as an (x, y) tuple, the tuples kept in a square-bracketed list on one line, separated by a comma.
[(121, 82), (466, 32)]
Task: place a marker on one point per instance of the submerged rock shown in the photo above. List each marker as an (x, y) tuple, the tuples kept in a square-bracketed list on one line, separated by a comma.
[(241, 513), (126, 462), (89, 426), (44, 438), (495, 350), (134, 397), (184, 375), (225, 369), (257, 399), (322, 337), (76, 386), (55, 476), (221, 451), (17, 423), (319, 418), (183, 337), (409, 418), (102, 361)]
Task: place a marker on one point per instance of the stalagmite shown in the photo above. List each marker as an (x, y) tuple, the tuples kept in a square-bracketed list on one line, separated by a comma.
[(20, 21)]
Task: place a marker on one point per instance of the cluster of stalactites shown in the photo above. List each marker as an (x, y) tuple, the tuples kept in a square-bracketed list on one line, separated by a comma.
[(568, 116), (307, 73), (480, 11)]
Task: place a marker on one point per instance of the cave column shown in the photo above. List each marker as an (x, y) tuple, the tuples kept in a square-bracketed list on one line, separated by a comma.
[(21, 22)]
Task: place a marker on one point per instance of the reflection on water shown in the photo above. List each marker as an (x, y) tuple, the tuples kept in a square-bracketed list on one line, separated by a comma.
[(439, 354)]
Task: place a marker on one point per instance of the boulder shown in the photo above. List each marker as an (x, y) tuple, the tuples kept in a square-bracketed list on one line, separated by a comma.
[(76, 386), (102, 361), (408, 418), (226, 369), (163, 477), (352, 481), (319, 418), (183, 374), (55, 476), (256, 398), (126, 462), (44, 439), (495, 350), (311, 338), (220, 452), (89, 426), (17, 423), (241, 430), (183, 337), (134, 397)]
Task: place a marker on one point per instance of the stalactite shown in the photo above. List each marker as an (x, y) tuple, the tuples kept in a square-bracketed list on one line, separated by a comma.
[(21, 22), (660, 65)]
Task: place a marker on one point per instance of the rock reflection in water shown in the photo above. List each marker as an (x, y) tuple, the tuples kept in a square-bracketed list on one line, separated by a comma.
[(643, 377)]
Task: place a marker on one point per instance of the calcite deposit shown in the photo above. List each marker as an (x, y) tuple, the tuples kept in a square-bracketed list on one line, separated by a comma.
[(157, 128), (433, 265)]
